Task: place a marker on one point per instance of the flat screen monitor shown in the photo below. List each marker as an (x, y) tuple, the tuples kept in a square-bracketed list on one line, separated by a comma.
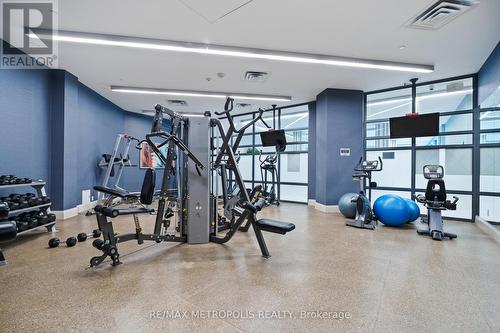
[(274, 138), (414, 126)]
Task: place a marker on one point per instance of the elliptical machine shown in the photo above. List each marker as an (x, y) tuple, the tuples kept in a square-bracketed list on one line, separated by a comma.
[(268, 170), (268, 167), (435, 201), (364, 215)]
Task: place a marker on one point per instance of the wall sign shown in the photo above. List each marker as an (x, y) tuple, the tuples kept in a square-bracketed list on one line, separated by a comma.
[(345, 151)]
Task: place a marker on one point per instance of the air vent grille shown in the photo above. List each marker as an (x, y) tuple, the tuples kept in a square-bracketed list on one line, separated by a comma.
[(255, 76), (177, 102), (243, 105), (441, 13)]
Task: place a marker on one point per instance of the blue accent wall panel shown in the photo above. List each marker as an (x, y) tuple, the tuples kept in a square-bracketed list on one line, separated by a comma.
[(489, 75), (25, 124), (339, 124), (99, 122)]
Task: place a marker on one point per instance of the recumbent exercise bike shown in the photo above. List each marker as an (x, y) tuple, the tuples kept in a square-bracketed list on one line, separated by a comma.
[(435, 201)]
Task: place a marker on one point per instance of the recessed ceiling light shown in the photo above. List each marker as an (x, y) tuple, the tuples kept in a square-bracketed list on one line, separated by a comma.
[(222, 50), (191, 93), (402, 47)]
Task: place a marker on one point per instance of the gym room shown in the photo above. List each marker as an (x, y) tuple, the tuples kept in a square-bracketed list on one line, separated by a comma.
[(250, 166)]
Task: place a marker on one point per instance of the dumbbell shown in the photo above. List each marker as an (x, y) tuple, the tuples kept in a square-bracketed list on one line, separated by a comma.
[(54, 242), (28, 218), (4, 210), (41, 217), (51, 217), (82, 237), (22, 225), (13, 205), (35, 201)]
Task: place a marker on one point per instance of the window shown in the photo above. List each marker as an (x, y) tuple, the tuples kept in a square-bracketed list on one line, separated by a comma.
[(396, 171), (293, 168), (388, 143), (490, 120), (457, 165), (377, 129), (490, 170), (388, 104), (453, 148), (444, 97), (493, 100), (458, 122), (489, 208), (444, 140), (292, 165), (297, 193)]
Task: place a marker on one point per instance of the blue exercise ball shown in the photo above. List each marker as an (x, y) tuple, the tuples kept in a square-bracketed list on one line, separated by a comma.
[(346, 206), (391, 210), (414, 210)]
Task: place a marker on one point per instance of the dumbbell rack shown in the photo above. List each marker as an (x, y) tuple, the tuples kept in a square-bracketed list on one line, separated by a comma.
[(39, 187)]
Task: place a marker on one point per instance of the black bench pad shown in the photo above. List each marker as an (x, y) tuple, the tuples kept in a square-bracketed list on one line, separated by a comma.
[(277, 227), (116, 192), (114, 212)]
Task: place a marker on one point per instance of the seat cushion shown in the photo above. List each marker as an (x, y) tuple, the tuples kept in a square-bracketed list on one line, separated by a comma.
[(116, 192), (275, 226)]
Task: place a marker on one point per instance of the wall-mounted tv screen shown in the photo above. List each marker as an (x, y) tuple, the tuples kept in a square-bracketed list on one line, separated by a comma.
[(274, 138), (414, 126)]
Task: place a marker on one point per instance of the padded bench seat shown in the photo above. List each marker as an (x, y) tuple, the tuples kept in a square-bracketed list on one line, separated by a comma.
[(114, 212), (274, 226), (117, 192)]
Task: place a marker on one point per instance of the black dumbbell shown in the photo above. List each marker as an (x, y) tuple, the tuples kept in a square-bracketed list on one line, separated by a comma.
[(54, 242), (45, 199), (35, 201), (41, 217), (51, 217), (22, 225), (4, 210), (28, 218), (82, 237), (13, 205), (21, 200)]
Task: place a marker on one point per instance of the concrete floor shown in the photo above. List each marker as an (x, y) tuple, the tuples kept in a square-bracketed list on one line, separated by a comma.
[(387, 280)]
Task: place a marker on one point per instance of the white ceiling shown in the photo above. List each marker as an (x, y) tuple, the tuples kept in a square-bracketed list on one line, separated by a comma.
[(357, 28)]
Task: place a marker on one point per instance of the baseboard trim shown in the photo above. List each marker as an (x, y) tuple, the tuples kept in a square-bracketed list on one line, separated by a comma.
[(85, 207), (323, 208), (72, 212), (488, 228), (65, 214)]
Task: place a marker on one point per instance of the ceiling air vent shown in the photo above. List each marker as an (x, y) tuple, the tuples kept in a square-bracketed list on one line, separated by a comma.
[(254, 76), (177, 102), (243, 105), (441, 13)]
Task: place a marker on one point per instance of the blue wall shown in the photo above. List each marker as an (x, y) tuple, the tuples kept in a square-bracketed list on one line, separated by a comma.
[(99, 122), (25, 124), (339, 124), (57, 130), (489, 75)]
